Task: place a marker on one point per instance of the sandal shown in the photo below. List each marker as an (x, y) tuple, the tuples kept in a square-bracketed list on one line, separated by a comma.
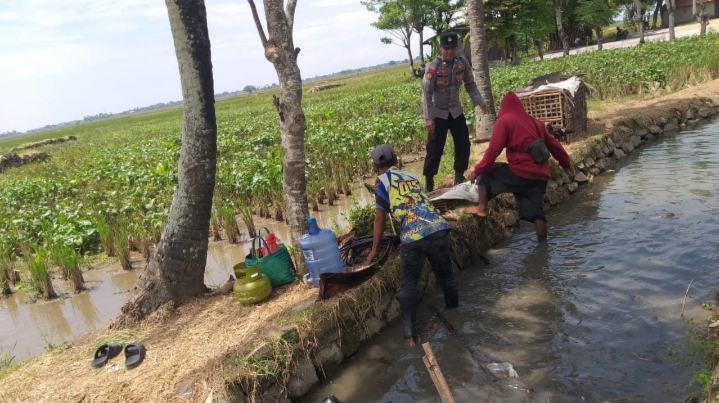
[(105, 353), (134, 354)]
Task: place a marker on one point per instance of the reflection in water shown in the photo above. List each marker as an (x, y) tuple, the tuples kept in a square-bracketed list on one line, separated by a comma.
[(588, 317), (82, 306), (124, 281), (10, 305), (51, 323)]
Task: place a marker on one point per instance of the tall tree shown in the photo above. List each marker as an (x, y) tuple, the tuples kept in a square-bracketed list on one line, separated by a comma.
[(281, 52), (176, 269), (639, 10), (560, 27), (597, 14), (535, 22), (397, 18), (422, 13), (700, 15), (671, 7), (484, 124), (657, 10)]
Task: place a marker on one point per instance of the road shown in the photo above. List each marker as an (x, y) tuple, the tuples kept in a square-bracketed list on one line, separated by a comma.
[(655, 35)]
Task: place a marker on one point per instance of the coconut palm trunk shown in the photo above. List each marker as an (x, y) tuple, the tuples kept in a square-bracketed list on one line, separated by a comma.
[(640, 18), (560, 27), (281, 52), (480, 68), (176, 269), (671, 7), (698, 11)]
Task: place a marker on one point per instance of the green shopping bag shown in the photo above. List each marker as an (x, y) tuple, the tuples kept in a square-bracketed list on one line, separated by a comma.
[(278, 266)]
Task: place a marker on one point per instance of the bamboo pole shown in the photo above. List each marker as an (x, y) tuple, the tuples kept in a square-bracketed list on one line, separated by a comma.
[(435, 372)]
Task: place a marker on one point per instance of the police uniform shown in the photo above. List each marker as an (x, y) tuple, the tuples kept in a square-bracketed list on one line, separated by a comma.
[(440, 101)]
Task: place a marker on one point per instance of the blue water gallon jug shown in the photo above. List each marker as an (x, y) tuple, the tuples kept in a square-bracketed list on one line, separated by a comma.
[(322, 254)]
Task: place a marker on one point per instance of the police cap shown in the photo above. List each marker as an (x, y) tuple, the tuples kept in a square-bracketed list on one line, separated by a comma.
[(449, 40)]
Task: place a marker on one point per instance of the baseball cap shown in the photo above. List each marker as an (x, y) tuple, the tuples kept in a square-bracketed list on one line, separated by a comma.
[(383, 154), (449, 40)]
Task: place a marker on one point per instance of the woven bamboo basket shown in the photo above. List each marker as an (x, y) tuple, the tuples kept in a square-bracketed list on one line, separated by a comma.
[(559, 107)]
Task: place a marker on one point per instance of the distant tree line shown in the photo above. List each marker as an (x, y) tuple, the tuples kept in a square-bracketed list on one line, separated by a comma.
[(10, 133), (247, 89)]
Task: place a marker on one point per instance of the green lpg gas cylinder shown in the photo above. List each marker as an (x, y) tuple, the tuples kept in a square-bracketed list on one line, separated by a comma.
[(251, 286)]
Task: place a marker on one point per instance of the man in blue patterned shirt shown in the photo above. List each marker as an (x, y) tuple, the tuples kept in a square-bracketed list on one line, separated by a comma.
[(424, 235)]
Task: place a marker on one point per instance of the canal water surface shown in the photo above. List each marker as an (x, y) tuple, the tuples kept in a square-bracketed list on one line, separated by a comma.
[(592, 316)]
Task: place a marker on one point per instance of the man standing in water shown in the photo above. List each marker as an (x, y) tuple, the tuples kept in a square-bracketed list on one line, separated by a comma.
[(424, 235), (443, 110), (527, 178)]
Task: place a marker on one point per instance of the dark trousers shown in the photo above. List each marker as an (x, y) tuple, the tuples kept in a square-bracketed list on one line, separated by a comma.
[(435, 248), (435, 144)]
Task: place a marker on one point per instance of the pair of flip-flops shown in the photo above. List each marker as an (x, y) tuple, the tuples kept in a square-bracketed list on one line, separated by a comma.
[(134, 354)]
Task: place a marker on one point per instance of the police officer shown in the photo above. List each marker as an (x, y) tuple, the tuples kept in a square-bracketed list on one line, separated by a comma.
[(443, 111)]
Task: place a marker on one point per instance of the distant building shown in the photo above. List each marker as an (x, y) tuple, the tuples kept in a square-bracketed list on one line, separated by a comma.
[(683, 12)]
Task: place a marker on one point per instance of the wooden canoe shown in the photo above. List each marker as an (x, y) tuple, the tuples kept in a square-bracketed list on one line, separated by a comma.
[(332, 284)]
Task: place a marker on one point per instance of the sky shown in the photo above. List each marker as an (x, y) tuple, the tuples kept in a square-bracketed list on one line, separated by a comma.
[(61, 60)]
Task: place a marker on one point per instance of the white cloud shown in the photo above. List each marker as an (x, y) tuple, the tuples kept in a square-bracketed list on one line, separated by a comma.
[(228, 14), (72, 58)]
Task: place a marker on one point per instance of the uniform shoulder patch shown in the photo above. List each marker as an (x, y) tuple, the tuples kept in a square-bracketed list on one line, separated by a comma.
[(430, 73)]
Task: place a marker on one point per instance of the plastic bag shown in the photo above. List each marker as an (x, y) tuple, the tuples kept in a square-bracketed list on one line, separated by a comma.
[(502, 367), (463, 191)]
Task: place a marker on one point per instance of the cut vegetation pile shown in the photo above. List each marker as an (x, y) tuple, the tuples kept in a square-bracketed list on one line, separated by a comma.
[(41, 143), (12, 160)]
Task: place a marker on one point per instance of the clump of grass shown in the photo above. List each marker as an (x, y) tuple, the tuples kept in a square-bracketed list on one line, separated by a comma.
[(246, 215), (106, 237), (121, 244), (39, 269), (68, 259), (700, 350), (215, 226), (226, 212), (4, 282), (122, 336)]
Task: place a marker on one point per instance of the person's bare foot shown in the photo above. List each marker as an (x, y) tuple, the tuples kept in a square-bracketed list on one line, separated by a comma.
[(411, 341), (476, 211)]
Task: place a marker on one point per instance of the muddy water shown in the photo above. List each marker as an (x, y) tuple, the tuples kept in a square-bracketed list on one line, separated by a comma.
[(28, 327), (589, 317)]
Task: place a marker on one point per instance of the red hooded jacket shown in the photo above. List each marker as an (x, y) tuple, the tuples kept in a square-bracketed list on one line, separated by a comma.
[(514, 129)]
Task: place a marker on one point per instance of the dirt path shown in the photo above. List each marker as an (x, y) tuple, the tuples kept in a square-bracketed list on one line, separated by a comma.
[(652, 36)]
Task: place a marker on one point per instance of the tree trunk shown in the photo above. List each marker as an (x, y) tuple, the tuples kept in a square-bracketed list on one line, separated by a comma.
[(640, 18), (281, 52), (560, 28), (176, 269), (421, 47), (484, 124), (516, 60), (408, 46), (671, 6), (657, 9), (540, 52), (600, 36), (700, 15)]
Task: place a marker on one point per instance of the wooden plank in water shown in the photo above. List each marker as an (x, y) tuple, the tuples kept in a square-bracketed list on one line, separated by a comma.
[(430, 361)]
